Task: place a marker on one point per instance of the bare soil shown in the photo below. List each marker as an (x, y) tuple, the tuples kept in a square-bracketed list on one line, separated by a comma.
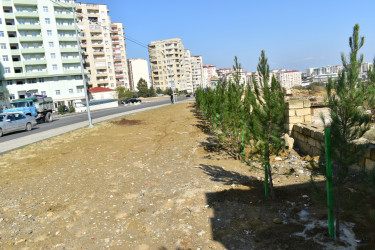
[(153, 181)]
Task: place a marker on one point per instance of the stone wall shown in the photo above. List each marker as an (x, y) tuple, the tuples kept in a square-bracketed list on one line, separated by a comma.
[(309, 140), (298, 111)]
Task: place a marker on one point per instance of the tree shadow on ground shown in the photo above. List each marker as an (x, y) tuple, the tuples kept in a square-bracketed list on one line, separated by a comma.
[(245, 219)]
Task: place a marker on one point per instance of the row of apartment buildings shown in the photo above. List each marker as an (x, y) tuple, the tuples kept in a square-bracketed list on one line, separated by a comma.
[(173, 66), (287, 78), (39, 51)]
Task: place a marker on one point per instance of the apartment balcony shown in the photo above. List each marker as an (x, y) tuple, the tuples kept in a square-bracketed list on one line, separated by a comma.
[(112, 26), (99, 60), (8, 15), (92, 7), (102, 75), (13, 40), (72, 60), (115, 37), (32, 51), (117, 60), (17, 64), (96, 38), (98, 53), (118, 71), (115, 43), (15, 52), (28, 27), (72, 71), (83, 45), (35, 62), (115, 31), (101, 67), (116, 48), (25, 14), (97, 45), (62, 4), (120, 76), (95, 30), (30, 39), (7, 3), (66, 27), (69, 50), (67, 38), (93, 15), (64, 16), (120, 82), (25, 2), (11, 28), (35, 74)]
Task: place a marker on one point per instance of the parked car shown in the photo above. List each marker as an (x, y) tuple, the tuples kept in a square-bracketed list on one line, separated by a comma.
[(15, 121), (131, 100), (188, 95)]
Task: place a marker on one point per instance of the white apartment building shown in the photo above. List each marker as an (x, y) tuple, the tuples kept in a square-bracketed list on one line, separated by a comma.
[(288, 78), (188, 73), (209, 71), (167, 64), (138, 68), (39, 51), (103, 45), (197, 72)]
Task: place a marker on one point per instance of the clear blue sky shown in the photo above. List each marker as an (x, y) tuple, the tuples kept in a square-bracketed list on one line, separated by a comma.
[(294, 34)]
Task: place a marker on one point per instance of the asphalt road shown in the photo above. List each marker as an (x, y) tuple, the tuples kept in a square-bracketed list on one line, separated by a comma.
[(75, 118)]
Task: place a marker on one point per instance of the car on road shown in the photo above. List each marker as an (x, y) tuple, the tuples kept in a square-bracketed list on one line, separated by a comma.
[(131, 100), (15, 121)]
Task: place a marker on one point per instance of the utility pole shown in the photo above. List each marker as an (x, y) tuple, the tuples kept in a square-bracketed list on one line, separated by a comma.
[(82, 68)]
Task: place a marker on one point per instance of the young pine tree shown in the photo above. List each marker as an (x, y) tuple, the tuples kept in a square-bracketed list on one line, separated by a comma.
[(345, 98), (268, 117)]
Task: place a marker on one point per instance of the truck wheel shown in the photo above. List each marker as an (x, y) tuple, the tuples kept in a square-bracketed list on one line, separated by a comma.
[(1, 132), (28, 126), (48, 117)]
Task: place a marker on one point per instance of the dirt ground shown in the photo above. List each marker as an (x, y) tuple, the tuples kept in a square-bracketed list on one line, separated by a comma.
[(152, 181)]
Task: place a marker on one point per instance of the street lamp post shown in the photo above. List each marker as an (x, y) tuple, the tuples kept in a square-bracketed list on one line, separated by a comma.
[(82, 69)]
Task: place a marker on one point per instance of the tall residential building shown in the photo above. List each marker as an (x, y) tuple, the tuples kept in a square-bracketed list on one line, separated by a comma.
[(288, 78), (138, 68), (167, 63), (119, 55), (209, 71), (197, 72), (188, 72), (103, 45), (39, 52)]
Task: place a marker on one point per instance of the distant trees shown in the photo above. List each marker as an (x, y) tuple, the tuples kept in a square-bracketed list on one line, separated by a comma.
[(143, 89), (123, 93)]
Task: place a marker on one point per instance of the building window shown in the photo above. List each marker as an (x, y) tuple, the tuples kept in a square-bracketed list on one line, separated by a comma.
[(5, 58), (79, 89), (3, 46), (54, 66), (48, 21), (7, 70), (9, 82), (57, 92), (41, 80), (1, 33), (49, 32), (53, 56), (51, 45), (70, 91), (1, 21), (43, 92), (45, 8)]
